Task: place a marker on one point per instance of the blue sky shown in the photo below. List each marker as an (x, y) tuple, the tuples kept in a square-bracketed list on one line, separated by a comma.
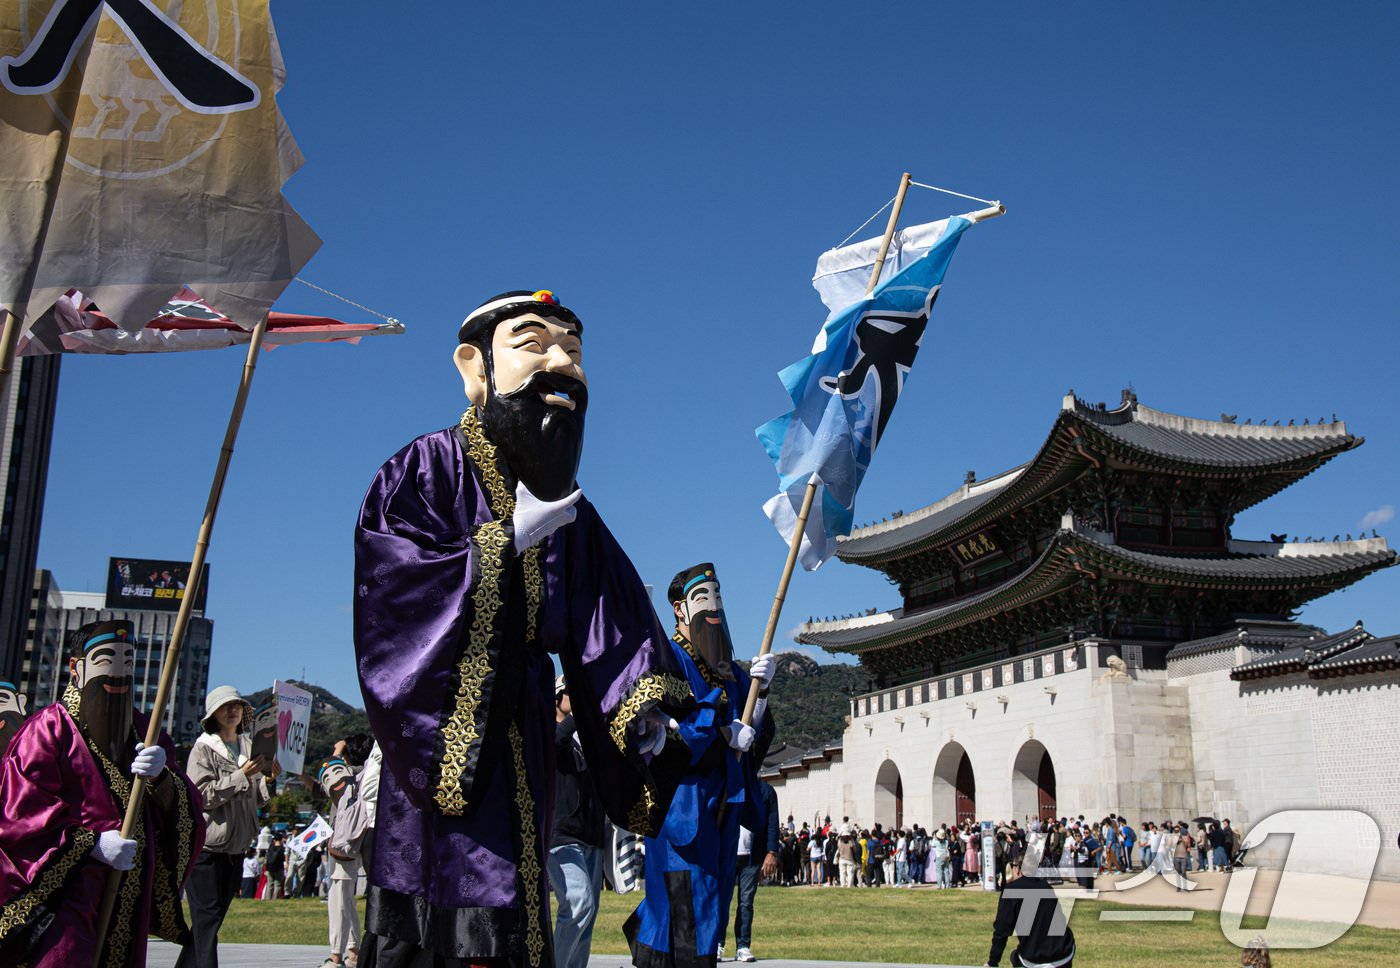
[(1201, 203)]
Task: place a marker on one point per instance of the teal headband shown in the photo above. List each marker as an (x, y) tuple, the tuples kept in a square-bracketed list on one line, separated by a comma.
[(707, 576)]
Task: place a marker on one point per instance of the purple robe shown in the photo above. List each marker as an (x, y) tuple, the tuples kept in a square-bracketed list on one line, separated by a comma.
[(57, 793), (452, 635)]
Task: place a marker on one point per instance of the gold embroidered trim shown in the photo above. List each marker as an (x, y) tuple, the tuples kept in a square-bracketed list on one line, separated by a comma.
[(639, 817), (529, 852), (459, 732), (650, 688), (16, 913), (169, 915), (712, 679), (483, 454), (534, 591), (119, 936)]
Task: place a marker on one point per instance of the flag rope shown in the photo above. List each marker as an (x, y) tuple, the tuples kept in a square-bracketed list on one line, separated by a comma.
[(866, 222), (348, 302), (984, 201)]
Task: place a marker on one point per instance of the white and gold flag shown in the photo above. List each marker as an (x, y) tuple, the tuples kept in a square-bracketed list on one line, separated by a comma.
[(144, 152)]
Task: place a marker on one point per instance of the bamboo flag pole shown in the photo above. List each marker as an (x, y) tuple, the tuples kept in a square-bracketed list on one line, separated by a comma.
[(182, 620), (806, 510)]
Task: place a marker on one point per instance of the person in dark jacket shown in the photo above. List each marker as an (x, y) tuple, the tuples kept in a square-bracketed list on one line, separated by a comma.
[(576, 851), (758, 850), (1049, 942)]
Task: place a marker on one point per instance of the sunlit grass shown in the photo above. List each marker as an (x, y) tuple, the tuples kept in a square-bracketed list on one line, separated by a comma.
[(888, 925)]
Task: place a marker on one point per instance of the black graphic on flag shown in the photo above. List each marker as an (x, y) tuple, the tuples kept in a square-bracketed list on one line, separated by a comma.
[(885, 347), (193, 74)]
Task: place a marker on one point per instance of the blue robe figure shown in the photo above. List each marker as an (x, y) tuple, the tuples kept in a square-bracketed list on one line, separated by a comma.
[(690, 863)]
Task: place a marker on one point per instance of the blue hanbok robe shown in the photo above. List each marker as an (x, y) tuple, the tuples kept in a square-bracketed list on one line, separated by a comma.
[(690, 863)]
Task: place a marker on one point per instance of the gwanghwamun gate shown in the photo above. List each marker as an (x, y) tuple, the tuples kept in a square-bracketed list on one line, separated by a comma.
[(1083, 634)]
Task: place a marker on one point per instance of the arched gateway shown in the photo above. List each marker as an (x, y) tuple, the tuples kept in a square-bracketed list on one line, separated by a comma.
[(954, 786), (889, 796), (1033, 783)]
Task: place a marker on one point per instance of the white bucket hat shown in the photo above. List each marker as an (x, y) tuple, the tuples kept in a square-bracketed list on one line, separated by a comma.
[(222, 695)]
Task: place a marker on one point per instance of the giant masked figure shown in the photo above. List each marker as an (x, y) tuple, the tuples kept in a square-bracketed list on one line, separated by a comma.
[(690, 862), (64, 785), (475, 557), (12, 711)]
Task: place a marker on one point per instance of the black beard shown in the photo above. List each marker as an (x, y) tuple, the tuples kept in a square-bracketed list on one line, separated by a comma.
[(9, 723), (711, 642), (107, 717), (540, 444)]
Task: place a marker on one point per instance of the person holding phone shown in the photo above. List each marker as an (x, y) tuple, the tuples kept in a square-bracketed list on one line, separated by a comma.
[(233, 786)]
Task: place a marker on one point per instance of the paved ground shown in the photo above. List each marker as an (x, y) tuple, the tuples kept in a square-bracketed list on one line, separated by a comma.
[(162, 955)]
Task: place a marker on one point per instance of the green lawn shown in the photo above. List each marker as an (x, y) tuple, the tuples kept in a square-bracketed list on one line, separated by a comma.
[(925, 926)]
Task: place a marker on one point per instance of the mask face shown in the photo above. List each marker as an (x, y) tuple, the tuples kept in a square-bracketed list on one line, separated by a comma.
[(265, 731), (533, 401), (103, 678), (335, 777), (702, 614)]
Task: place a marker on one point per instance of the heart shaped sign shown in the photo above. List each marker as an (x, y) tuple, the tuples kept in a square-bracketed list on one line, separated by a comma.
[(284, 723)]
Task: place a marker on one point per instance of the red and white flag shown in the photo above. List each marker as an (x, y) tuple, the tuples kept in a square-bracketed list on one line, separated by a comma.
[(187, 322)]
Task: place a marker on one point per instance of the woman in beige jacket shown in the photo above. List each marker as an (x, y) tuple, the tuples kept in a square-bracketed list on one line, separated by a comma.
[(233, 787)]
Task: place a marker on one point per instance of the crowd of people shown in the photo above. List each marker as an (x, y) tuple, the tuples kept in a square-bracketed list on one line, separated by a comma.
[(848, 854)]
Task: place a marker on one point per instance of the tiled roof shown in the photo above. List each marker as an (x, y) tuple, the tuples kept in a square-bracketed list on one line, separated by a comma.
[(1255, 633), (1377, 653), (1266, 564), (1303, 657), (1165, 441)]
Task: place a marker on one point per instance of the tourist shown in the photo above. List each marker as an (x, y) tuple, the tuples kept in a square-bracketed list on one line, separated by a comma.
[(758, 852), (275, 867), (942, 858), (832, 866), (972, 854), (575, 861), (1229, 834), (1202, 845), (1216, 837), (233, 786), (252, 870), (816, 854), (1129, 841), (1181, 857), (1047, 941), (848, 860)]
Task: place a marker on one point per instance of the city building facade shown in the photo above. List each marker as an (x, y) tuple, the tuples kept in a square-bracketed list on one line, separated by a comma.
[(152, 627), (25, 436)]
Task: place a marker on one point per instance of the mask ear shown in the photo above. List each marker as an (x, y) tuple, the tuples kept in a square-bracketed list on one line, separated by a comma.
[(471, 364), (75, 672)]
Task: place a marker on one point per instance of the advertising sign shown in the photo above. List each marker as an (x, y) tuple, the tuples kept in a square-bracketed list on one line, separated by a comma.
[(989, 856), (280, 727), (151, 583)]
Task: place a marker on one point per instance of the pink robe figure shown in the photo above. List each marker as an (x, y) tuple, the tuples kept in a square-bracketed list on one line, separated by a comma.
[(57, 794), (972, 854)]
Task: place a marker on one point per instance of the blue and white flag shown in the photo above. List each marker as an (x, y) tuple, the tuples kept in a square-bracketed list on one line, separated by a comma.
[(843, 394)]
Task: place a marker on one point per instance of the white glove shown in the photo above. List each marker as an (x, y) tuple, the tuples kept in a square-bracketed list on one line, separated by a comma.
[(741, 736), (150, 760), (114, 850), (762, 670), (652, 738), (536, 520)]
